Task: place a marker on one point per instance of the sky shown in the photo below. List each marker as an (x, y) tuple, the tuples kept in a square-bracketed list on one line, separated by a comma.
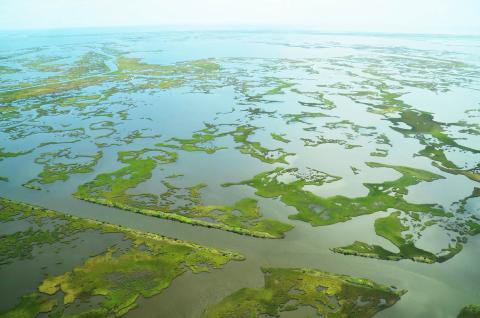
[(397, 16)]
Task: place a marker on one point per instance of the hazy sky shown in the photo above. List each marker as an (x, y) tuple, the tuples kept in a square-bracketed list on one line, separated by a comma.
[(421, 16)]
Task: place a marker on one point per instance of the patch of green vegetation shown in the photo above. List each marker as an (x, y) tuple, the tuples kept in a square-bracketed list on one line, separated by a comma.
[(376, 95), (88, 70), (473, 227), (344, 133), (180, 204), (355, 170), (44, 64), (280, 137), (91, 70), (135, 65), (320, 100), (254, 148), (470, 311), (105, 125), (320, 140), (119, 276), (244, 214), (276, 86), (136, 135), (254, 112), (391, 228), (30, 306), (82, 101), (55, 168), (433, 136), (122, 279), (323, 211), (303, 116), (472, 174), (4, 179), (379, 153), (111, 188), (331, 295), (4, 154), (8, 97), (200, 141), (19, 245), (90, 63), (31, 185), (8, 113), (366, 250), (383, 139), (382, 100), (4, 70), (156, 76), (422, 123), (347, 124), (23, 130)]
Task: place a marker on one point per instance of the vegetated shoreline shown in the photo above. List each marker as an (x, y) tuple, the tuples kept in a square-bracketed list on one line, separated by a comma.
[(146, 268), (120, 228), (287, 289), (393, 256), (176, 217)]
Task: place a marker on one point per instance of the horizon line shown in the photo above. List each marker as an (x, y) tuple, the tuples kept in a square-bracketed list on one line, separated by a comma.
[(237, 27)]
